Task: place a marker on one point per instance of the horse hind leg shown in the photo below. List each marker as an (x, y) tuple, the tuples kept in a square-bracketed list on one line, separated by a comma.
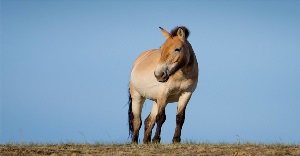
[(149, 123), (134, 114)]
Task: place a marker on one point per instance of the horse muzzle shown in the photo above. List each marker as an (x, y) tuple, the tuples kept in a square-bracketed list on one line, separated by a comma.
[(162, 76)]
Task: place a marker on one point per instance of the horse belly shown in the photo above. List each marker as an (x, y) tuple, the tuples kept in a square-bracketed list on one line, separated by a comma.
[(146, 86)]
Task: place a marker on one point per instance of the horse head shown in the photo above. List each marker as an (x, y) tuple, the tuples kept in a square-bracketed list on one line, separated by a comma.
[(174, 53)]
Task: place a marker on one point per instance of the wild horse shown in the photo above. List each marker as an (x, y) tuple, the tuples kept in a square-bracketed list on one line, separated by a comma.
[(164, 75)]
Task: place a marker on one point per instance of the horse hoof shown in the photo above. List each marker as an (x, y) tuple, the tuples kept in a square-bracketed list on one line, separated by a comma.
[(146, 141), (156, 140), (176, 140)]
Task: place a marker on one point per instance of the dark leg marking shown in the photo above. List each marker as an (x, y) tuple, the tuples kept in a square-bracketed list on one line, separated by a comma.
[(179, 123), (148, 129), (160, 119), (136, 122)]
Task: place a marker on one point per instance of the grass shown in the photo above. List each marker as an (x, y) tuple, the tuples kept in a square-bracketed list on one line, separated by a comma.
[(186, 148)]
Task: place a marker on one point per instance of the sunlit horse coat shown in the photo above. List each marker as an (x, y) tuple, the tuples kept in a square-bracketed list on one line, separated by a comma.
[(164, 75)]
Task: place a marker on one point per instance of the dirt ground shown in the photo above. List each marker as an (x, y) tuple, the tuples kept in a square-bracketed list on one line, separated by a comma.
[(149, 149)]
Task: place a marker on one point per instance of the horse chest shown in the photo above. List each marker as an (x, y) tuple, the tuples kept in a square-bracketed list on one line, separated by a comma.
[(180, 86)]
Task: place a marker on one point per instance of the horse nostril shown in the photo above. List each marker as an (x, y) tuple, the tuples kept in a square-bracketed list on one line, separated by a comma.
[(163, 74)]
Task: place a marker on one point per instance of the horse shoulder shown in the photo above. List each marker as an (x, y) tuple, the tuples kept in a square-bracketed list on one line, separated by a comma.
[(185, 81)]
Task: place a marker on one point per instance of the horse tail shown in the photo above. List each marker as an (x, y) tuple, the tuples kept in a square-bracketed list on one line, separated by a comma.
[(130, 114)]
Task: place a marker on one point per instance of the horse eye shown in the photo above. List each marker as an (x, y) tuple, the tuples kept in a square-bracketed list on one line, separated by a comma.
[(178, 49)]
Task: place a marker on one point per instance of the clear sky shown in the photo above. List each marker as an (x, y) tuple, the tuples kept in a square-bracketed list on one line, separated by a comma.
[(65, 68)]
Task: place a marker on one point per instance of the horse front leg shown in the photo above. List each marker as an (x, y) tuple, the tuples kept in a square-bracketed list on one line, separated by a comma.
[(180, 115), (160, 119)]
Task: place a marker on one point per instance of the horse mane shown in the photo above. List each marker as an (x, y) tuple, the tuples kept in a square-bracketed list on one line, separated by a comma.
[(174, 31)]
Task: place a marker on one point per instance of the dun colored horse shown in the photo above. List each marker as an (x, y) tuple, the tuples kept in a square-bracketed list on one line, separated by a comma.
[(165, 75)]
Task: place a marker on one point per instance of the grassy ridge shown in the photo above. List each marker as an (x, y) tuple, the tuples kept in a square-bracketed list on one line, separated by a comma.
[(150, 149)]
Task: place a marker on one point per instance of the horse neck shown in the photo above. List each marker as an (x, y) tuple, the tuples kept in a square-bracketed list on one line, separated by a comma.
[(193, 60)]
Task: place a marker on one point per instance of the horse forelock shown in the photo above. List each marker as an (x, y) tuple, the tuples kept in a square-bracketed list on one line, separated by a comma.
[(174, 31)]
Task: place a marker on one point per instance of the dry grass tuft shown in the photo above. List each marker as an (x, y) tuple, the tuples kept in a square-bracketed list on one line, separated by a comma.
[(150, 149)]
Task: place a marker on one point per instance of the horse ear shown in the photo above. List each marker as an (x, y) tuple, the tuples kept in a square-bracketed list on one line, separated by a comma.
[(164, 32), (181, 34)]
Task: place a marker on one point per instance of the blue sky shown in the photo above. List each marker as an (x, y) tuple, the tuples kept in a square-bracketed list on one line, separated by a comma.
[(65, 68)]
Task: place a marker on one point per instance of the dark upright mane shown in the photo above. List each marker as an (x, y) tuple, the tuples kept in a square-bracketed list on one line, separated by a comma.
[(174, 31)]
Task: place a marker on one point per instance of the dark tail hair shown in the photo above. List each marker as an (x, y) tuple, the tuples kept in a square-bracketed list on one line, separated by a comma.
[(130, 114)]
